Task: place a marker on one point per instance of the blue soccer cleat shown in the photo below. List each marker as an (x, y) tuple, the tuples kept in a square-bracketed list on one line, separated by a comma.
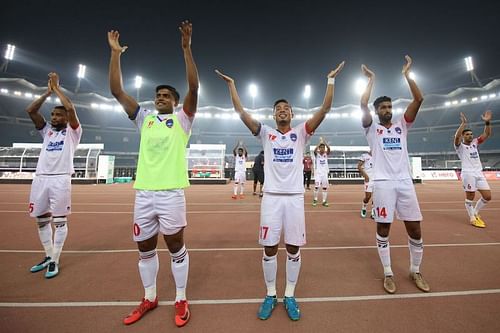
[(292, 308), (267, 307), (42, 265), (52, 271)]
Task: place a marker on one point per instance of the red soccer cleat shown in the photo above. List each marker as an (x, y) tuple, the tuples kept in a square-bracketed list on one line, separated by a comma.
[(182, 313), (234, 196), (145, 306)]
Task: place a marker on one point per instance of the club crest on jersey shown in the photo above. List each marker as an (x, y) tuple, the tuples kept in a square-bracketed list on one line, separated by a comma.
[(169, 123), (272, 137), (293, 137), (398, 130)]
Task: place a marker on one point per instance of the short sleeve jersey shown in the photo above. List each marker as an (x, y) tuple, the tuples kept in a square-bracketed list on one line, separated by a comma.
[(367, 165), (321, 164), (469, 155), (58, 150), (389, 150), (283, 153)]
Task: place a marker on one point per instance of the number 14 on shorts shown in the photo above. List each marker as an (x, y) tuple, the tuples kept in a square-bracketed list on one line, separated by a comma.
[(380, 212)]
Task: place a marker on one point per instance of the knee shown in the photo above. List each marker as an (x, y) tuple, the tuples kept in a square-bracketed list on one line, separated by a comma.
[(292, 249), (147, 245), (383, 229), (271, 251), (486, 196)]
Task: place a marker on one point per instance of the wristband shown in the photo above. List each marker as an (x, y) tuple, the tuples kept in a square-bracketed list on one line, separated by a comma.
[(487, 123), (331, 80)]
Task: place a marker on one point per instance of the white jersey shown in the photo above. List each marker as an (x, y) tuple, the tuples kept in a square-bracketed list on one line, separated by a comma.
[(283, 153), (240, 163), (469, 155), (389, 150), (321, 164), (58, 150), (368, 164)]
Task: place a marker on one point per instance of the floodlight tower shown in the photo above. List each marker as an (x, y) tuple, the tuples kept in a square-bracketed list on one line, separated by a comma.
[(253, 89), (469, 65), (307, 95), (138, 85), (8, 56), (80, 76)]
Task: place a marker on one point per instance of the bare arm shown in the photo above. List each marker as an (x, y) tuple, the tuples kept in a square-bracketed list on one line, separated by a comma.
[(367, 117), (458, 133), (191, 99), (418, 98), (33, 109), (319, 115), (362, 171), (252, 124), (487, 127), (129, 104), (66, 102)]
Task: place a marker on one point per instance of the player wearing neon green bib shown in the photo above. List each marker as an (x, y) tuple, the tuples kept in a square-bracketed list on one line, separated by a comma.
[(160, 205)]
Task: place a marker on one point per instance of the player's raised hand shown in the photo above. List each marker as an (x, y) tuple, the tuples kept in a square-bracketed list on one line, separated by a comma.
[(486, 116), (114, 42), (463, 119), (186, 30), (367, 72), (53, 81), (407, 66), (336, 70), (224, 77)]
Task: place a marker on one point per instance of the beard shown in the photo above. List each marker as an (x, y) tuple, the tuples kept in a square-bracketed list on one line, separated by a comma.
[(386, 118)]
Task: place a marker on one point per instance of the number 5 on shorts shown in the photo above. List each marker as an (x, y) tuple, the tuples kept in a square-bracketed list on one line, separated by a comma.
[(263, 232), (31, 207)]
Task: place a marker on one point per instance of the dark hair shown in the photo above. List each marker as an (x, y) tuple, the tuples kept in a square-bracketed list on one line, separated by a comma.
[(322, 144), (240, 149), (380, 100), (281, 101), (172, 89), (60, 107), (466, 130)]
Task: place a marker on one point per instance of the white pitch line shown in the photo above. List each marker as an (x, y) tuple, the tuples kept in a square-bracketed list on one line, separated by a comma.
[(312, 248), (196, 212), (259, 300)]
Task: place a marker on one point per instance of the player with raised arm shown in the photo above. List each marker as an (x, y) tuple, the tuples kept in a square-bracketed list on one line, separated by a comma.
[(472, 176), (393, 185), (282, 207), (160, 205)]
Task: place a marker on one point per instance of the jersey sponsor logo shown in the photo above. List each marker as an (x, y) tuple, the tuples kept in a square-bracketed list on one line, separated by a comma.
[(169, 123), (474, 154), (55, 146), (283, 155), (271, 137), (398, 130), (293, 137), (391, 143)]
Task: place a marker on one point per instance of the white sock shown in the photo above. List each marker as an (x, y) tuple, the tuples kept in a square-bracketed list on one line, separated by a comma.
[(180, 270), (480, 205), (235, 188), (242, 188), (315, 193), (364, 205), (469, 208), (325, 194), (384, 253), (416, 247), (45, 234), (270, 267), (148, 269), (60, 234), (293, 264)]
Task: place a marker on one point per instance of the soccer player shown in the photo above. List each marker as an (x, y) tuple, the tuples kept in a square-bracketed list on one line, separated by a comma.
[(392, 182), (50, 197), (160, 205), (282, 207), (321, 171), (307, 163), (365, 167), (472, 170), (258, 173), (240, 169)]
